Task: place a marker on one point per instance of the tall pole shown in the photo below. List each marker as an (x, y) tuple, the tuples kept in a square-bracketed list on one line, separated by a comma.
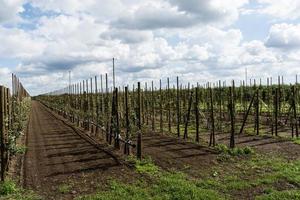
[(70, 88), (139, 136), (114, 81), (69, 81), (246, 75)]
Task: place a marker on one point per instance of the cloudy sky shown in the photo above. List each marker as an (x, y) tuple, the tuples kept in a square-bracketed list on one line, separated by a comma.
[(198, 40)]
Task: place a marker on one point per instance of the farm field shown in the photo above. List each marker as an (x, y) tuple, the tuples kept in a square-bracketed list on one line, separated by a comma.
[(149, 100), (62, 165), (89, 144), (84, 143)]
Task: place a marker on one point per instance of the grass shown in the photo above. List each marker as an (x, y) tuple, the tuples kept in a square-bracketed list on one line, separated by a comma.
[(64, 188), (262, 131), (163, 186), (281, 195), (297, 141), (21, 149), (237, 151), (274, 169), (8, 187), (224, 183), (10, 191), (237, 175), (145, 166), (258, 171)]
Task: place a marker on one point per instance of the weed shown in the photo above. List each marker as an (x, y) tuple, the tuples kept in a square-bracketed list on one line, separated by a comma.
[(168, 186), (237, 151), (248, 150), (297, 141), (280, 195), (165, 186), (8, 187), (64, 188), (10, 191), (145, 166), (21, 149)]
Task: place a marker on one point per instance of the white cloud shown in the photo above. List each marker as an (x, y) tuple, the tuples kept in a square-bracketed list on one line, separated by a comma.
[(285, 36), (9, 10), (16, 43), (127, 36), (5, 75), (151, 39), (102, 10), (154, 15), (213, 11), (281, 9), (255, 52), (180, 14)]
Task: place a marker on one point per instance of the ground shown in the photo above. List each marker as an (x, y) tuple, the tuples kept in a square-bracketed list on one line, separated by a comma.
[(64, 162), (61, 164)]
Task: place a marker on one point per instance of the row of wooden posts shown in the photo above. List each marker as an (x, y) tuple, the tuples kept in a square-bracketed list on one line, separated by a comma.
[(9, 100), (96, 105)]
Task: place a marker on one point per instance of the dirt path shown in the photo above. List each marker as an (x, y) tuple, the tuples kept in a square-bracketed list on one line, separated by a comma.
[(58, 156)]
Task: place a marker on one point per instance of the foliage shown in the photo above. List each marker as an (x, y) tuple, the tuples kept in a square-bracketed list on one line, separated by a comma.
[(163, 186), (168, 186), (10, 191), (64, 188), (20, 116), (259, 171), (145, 166), (8, 187), (280, 195), (237, 151), (297, 141)]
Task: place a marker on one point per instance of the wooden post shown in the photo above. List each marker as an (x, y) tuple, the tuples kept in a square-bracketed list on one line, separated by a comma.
[(178, 108), (295, 123), (107, 108), (112, 129), (88, 104), (160, 106), (185, 136), (212, 141), (139, 134), (92, 118), (153, 106), (220, 107), (126, 148), (142, 107), (279, 99), (97, 104), (276, 111), (197, 113), (81, 100), (247, 113), (146, 104), (117, 125), (78, 97), (232, 115), (2, 130), (169, 106), (257, 112), (101, 101)]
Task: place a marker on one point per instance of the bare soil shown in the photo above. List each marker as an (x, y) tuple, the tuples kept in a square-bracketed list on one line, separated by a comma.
[(59, 155), (175, 153)]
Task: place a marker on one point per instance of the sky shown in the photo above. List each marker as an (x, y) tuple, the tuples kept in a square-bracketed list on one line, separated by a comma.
[(197, 40)]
